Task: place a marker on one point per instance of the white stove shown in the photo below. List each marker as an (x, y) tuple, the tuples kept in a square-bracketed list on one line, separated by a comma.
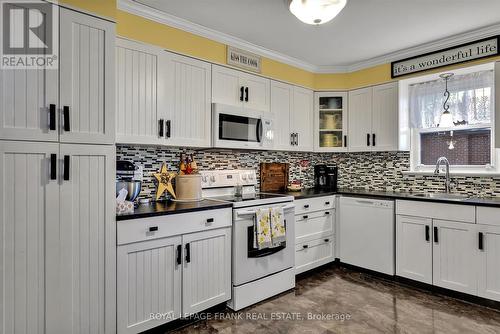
[(256, 274)]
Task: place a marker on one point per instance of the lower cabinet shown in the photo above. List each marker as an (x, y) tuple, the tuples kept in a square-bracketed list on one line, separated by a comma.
[(488, 261), (312, 254), (164, 279)]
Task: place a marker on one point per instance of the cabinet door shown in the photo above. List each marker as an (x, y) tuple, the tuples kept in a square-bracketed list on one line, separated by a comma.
[(302, 118), (414, 248), (87, 239), (87, 77), (257, 92), (360, 120), (281, 109), (149, 283), (137, 93), (188, 101), (226, 86), (330, 122), (385, 117), (488, 260), (454, 260), (29, 229), (206, 278), (25, 99)]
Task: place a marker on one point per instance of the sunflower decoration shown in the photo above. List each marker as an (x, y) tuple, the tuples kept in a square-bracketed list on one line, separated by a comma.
[(164, 178)]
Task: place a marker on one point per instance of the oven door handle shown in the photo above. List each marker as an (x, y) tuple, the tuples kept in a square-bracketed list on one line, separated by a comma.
[(271, 251), (252, 212)]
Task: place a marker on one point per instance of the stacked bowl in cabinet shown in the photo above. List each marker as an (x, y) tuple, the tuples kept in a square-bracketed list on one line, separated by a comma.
[(314, 232)]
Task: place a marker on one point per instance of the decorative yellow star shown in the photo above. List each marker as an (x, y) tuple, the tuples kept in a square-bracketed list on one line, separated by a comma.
[(164, 178)]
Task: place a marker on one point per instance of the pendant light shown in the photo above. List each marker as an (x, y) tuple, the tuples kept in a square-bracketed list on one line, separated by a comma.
[(316, 11), (446, 117)]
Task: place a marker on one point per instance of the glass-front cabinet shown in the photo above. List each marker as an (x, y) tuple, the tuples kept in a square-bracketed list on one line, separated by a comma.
[(330, 122)]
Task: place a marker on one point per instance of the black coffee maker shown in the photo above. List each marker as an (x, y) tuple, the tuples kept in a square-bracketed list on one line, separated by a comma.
[(325, 177)]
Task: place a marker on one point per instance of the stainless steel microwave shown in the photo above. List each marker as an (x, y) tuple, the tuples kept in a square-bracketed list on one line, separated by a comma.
[(237, 127)]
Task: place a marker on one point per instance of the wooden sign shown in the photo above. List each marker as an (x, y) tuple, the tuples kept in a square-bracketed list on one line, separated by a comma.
[(273, 176), (458, 54), (243, 59)]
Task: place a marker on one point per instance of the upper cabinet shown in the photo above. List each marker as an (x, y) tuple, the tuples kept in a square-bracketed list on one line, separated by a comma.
[(330, 122), (74, 104), (373, 118), (239, 88), (291, 107), (162, 98)]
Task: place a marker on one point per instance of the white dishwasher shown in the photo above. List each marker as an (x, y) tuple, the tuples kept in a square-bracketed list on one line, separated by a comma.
[(366, 233)]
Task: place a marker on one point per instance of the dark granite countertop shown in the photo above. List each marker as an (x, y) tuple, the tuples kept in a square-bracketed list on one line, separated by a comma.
[(310, 193), (167, 208)]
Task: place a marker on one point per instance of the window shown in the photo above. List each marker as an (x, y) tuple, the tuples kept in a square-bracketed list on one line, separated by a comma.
[(468, 143)]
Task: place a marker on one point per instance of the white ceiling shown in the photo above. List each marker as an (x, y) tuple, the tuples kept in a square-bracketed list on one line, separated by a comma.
[(364, 30)]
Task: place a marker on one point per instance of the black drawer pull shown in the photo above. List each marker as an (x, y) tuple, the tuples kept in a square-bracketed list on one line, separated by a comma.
[(436, 237), (306, 206), (327, 203), (427, 233), (188, 253), (481, 241), (66, 168), (52, 117), (67, 127), (179, 254), (305, 246), (53, 166), (327, 240), (210, 220), (327, 213), (305, 217), (153, 229)]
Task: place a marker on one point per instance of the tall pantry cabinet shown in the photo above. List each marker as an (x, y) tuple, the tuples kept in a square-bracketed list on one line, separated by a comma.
[(57, 225)]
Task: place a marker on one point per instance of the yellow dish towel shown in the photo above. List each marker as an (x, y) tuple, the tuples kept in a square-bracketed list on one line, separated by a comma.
[(262, 228), (278, 227)]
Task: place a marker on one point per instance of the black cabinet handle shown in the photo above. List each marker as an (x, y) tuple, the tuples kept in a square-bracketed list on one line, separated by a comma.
[(373, 139), (153, 229), (297, 141), (427, 233), (168, 128), (305, 246), (367, 139), (306, 206), (52, 117), (345, 141), (66, 168), (188, 253), (179, 254), (327, 240), (53, 166), (327, 212), (242, 89), (327, 203), (305, 217), (246, 94), (66, 118), (210, 220), (481, 241), (436, 237), (160, 128)]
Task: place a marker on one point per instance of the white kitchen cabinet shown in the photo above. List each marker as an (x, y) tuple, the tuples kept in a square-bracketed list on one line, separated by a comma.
[(86, 72), (373, 118), (87, 239), (302, 118), (454, 260), (206, 277), (330, 122), (240, 89), (137, 107), (312, 254), (291, 109), (414, 248), (29, 230), (488, 247), (149, 283), (186, 82)]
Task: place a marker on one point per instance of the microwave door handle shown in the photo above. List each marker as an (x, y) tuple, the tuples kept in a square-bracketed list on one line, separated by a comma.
[(259, 130)]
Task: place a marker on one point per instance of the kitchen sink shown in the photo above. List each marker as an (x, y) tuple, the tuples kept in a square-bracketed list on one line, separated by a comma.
[(443, 196)]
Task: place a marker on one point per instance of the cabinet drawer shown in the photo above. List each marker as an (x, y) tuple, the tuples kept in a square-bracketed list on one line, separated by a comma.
[(136, 230), (314, 225), (313, 254), (488, 216), (452, 212), (314, 204)]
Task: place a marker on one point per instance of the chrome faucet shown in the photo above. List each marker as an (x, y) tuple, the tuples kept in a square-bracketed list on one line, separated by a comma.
[(444, 161)]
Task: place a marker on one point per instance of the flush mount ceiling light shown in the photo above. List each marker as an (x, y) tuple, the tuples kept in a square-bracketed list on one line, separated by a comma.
[(446, 117), (316, 11)]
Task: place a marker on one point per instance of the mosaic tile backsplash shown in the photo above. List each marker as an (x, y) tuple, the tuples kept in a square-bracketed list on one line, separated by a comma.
[(380, 171)]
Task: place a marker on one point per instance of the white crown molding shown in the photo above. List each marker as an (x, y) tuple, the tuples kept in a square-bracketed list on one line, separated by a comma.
[(153, 14)]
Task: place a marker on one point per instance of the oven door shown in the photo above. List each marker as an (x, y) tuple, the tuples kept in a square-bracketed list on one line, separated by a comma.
[(234, 127), (249, 263)]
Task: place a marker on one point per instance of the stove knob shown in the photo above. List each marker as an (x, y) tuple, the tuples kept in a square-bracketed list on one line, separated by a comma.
[(250, 176), (244, 177), (212, 178), (204, 178)]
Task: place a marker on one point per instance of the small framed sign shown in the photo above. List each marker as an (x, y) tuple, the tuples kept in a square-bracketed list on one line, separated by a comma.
[(243, 59), (483, 48)]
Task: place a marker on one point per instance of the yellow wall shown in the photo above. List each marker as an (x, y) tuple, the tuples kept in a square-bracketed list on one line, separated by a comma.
[(104, 8)]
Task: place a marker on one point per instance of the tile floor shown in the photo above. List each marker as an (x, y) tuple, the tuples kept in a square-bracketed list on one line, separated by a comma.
[(355, 303)]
